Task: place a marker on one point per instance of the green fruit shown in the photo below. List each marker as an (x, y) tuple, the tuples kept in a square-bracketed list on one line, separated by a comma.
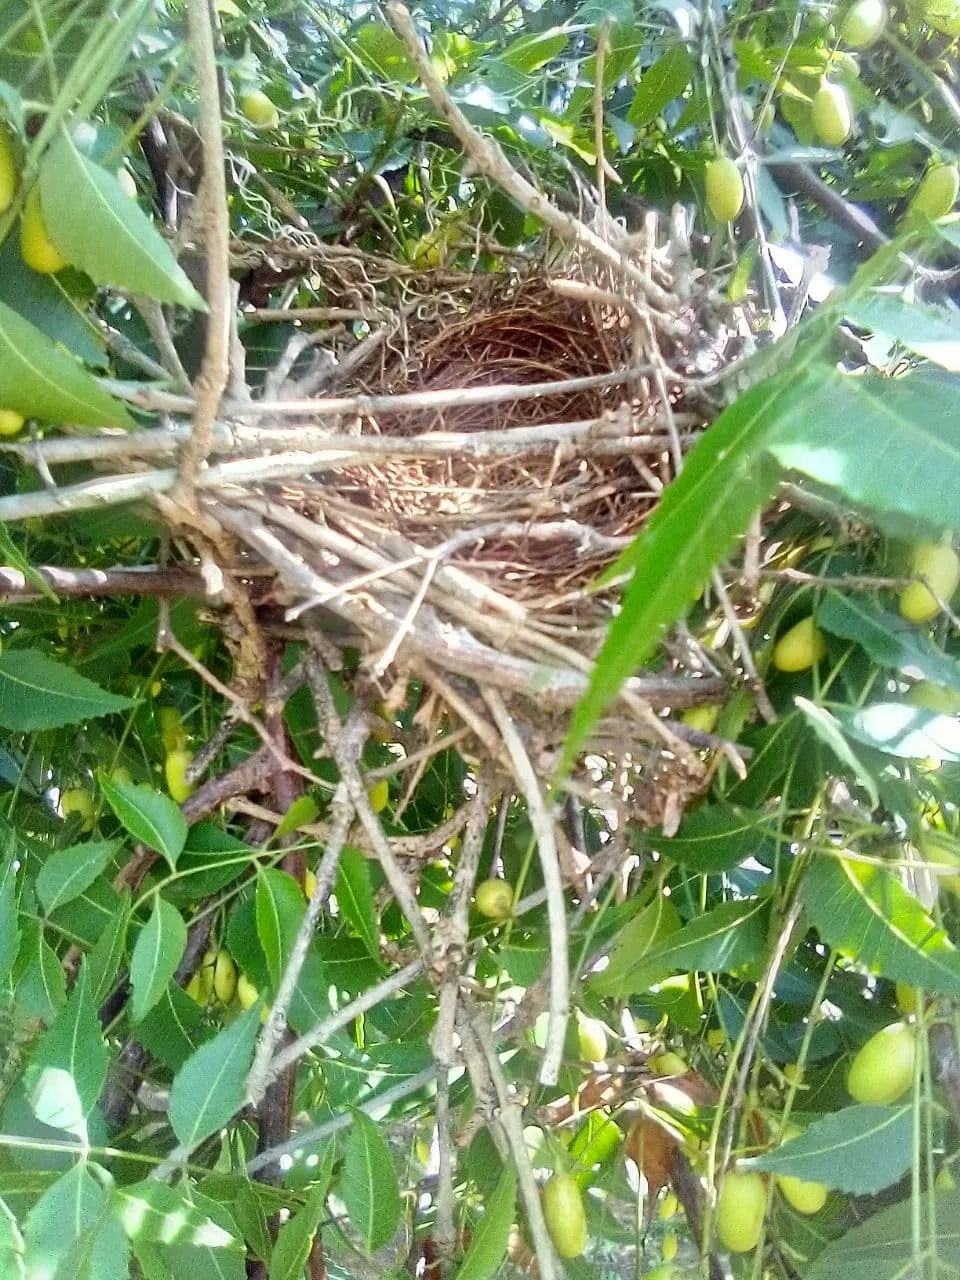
[(806, 1197), (741, 1207), (937, 192), (669, 1064), (906, 998), (800, 647), (934, 697), (494, 899), (669, 1246), (175, 772), (831, 115), (592, 1039), (883, 1068), (247, 993), (702, 718), (80, 801), (259, 110), (937, 562), (171, 728), (379, 795), (10, 422), (127, 182), (224, 977), (8, 171), (945, 1181), (36, 248), (864, 23), (668, 1207), (564, 1215), (724, 189)]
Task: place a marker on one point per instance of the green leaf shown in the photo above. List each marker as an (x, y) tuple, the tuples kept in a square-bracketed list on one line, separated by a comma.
[(385, 52), (210, 1086), (104, 960), (11, 556), (647, 931), (104, 232), (888, 639), (39, 380), (67, 872), (158, 951), (658, 87), (73, 1050), (866, 913), (890, 445), (295, 1239), (159, 1214), (902, 730), (150, 816), (695, 525), (530, 52), (11, 1246), (173, 1029), (488, 1244), (301, 813), (368, 1184), (42, 988), (280, 908), (197, 1261), (882, 1247), (101, 1253), (69, 1207), (355, 898), (57, 305), (929, 331), (724, 940), (37, 692), (717, 838), (829, 731), (9, 927), (859, 1150)]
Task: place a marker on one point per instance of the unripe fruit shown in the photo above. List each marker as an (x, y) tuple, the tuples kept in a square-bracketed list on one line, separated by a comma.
[(10, 422), (831, 115), (937, 192), (592, 1039), (937, 562), (175, 772), (666, 1271), (309, 883), (800, 647), (669, 1064), (247, 993), (864, 23), (564, 1215), (934, 697), (668, 1207), (945, 1181), (806, 1197), (8, 171), (194, 991), (883, 1068), (224, 977), (128, 183), (206, 974), (669, 1246), (378, 795), (741, 1205), (121, 774), (259, 110), (724, 189), (171, 728), (716, 1039), (702, 718), (78, 800), (906, 998), (36, 248), (494, 899)]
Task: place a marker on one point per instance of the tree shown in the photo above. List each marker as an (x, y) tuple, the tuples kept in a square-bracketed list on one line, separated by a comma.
[(479, 684)]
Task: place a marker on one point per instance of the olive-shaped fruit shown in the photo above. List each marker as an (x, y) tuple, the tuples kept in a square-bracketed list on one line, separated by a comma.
[(800, 647), (945, 1181), (8, 171), (309, 883), (906, 998), (224, 977), (831, 114), (127, 182), (379, 795), (259, 110), (936, 562), (937, 192), (10, 422), (194, 990), (171, 729), (702, 718), (36, 248), (669, 1064), (80, 801), (806, 1197), (741, 1207), (669, 1246), (883, 1069), (864, 23), (175, 771), (669, 1207), (564, 1215), (247, 993), (724, 189), (494, 899), (592, 1039)]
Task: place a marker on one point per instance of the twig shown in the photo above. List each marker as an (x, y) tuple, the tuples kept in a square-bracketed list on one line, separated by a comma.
[(212, 379), (542, 825), (146, 581)]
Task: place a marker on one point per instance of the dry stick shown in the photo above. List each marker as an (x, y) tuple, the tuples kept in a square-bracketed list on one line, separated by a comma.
[(487, 157), (212, 378), (542, 825), (146, 581)]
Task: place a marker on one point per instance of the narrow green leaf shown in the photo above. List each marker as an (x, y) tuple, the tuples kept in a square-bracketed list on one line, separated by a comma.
[(56, 308), (36, 692), (866, 913), (39, 380), (74, 1046), (201, 1262), (663, 82), (295, 1239), (355, 898), (859, 1150), (149, 816), (368, 1184), (100, 1253), (209, 1088), (899, 729), (174, 1028), (882, 1248), (303, 811), (717, 838), (42, 988), (159, 1214), (71, 1206), (647, 931), (9, 926), (888, 639), (12, 1263), (103, 961), (67, 872), (158, 951), (488, 1244), (105, 233), (10, 555), (280, 908), (829, 731), (930, 331), (530, 52)]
